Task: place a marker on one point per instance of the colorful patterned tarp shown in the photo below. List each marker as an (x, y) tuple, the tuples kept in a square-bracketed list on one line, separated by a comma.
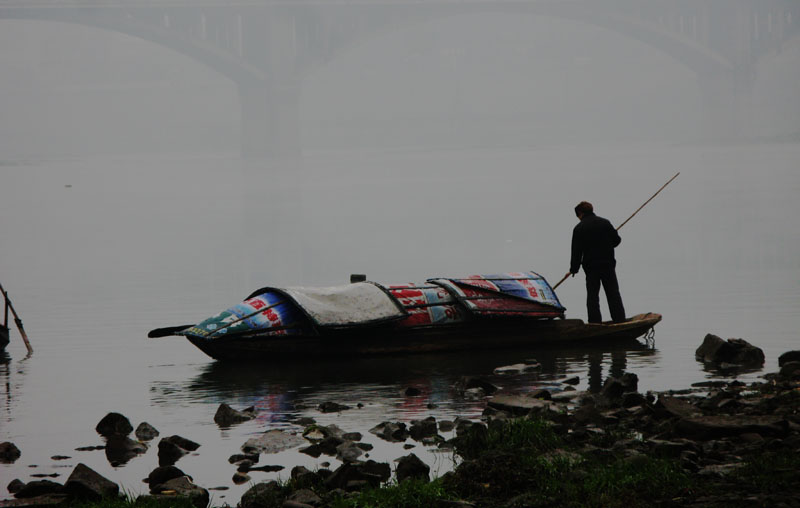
[(291, 311)]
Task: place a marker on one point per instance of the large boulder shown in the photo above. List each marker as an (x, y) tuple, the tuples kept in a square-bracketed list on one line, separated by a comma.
[(9, 452), (272, 441), (411, 466), (163, 474), (262, 494), (789, 356), (39, 488), (732, 351), (85, 483), (114, 424)]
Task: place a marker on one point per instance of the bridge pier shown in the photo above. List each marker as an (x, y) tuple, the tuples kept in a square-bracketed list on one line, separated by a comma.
[(270, 123)]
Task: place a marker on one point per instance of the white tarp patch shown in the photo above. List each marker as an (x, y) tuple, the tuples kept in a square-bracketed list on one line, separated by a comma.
[(358, 303)]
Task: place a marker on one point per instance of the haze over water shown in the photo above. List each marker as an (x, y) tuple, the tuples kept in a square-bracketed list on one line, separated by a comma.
[(447, 148)]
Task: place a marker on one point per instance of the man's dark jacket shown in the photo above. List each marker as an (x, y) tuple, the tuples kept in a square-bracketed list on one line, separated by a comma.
[(593, 242)]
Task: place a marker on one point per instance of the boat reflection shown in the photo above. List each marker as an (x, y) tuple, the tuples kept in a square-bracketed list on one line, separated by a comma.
[(407, 385)]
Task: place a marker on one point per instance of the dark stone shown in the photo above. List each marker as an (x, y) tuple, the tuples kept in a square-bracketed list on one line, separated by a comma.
[(114, 424), (227, 416), (305, 497), (163, 474), (789, 356), (85, 483), (303, 478), (120, 449), (9, 452), (261, 495), (145, 432), (468, 382), (423, 428), (541, 393), (347, 473), (15, 486), (612, 389), (39, 488), (630, 382), (790, 370), (392, 432), (184, 443), (267, 468), (43, 501), (184, 488), (239, 457), (411, 466), (574, 380), (632, 399), (169, 453), (60, 457), (332, 407), (240, 478), (412, 391), (348, 452), (733, 351)]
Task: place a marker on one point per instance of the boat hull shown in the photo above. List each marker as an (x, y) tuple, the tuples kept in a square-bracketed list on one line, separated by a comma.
[(475, 335)]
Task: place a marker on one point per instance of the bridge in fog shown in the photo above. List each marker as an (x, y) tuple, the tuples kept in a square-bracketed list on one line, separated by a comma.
[(267, 47)]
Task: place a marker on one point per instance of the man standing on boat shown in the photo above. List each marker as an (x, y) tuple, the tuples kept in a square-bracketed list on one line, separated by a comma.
[(593, 243)]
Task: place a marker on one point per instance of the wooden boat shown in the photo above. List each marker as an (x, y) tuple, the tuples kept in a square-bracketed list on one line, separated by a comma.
[(443, 314)]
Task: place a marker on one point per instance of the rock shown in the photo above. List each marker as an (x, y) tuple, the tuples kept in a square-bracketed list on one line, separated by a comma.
[(163, 474), (446, 426), (268, 468), (172, 448), (239, 457), (85, 483), (114, 424), (789, 356), (15, 486), (411, 466), (60, 457), (169, 453), (516, 369), (305, 497), (227, 416), (733, 351), (261, 495), (9, 452), (272, 441), (145, 432), (790, 370), (348, 452), (120, 449), (39, 488), (303, 478), (668, 407), (43, 501), (520, 404), (412, 391), (469, 382), (332, 407), (240, 478), (346, 473), (295, 504), (392, 432), (423, 428), (574, 380), (183, 487)]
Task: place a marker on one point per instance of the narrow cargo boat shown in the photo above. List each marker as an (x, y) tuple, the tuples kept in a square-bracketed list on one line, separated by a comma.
[(362, 318)]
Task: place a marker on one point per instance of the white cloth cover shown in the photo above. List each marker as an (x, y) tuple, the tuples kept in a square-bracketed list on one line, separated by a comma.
[(353, 304)]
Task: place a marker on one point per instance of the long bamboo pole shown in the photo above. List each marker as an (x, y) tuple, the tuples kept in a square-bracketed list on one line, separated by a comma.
[(629, 218), (17, 320)]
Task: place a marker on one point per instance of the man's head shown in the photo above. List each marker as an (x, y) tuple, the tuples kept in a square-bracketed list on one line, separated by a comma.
[(583, 208)]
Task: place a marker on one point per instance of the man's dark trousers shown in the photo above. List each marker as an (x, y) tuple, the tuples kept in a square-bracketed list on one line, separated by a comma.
[(607, 276)]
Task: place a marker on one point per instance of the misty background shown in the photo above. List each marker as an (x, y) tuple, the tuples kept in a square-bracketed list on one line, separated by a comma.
[(439, 148), (490, 79)]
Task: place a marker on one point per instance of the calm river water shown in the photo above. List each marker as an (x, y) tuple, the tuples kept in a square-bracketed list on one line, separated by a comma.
[(97, 252)]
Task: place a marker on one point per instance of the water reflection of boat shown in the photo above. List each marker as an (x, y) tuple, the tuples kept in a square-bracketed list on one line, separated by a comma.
[(475, 312), (280, 384)]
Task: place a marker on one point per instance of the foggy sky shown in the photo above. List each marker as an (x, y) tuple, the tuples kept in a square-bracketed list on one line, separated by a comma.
[(471, 79)]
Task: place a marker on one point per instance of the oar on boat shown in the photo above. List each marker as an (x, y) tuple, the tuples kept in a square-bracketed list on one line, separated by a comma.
[(629, 218), (17, 320), (167, 331)]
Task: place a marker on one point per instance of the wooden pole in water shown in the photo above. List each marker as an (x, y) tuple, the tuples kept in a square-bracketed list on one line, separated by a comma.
[(17, 320), (629, 218)]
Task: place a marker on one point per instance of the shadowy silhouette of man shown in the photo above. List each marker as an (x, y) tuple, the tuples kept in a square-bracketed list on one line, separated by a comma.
[(593, 243)]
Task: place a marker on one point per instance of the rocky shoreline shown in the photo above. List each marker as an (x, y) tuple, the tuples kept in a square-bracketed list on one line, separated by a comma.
[(720, 443)]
